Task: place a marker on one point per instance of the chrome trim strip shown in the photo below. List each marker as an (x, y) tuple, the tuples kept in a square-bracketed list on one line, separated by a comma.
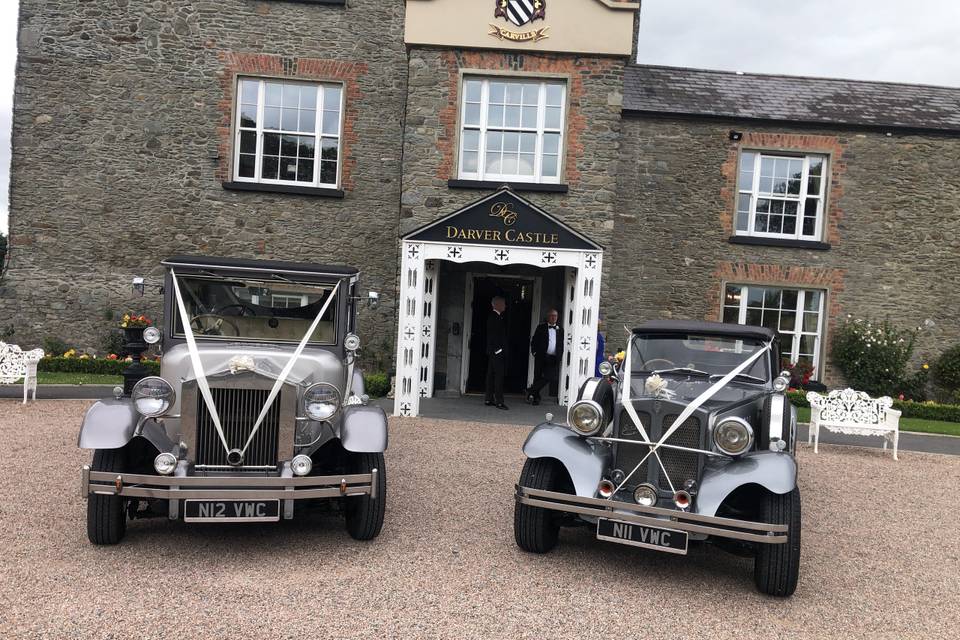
[(229, 481), (633, 513), (776, 417), (85, 482), (662, 446), (373, 483)]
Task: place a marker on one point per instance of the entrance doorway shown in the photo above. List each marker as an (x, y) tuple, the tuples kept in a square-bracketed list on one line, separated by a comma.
[(523, 305)]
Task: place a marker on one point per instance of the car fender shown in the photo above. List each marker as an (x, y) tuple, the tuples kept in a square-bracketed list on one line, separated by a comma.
[(112, 423), (363, 429), (584, 461), (775, 472)]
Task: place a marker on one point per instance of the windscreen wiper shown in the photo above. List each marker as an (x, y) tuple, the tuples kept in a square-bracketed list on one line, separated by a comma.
[(681, 370)]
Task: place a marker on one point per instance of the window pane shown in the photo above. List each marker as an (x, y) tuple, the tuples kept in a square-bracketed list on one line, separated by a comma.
[(331, 99), (497, 91), (771, 298), (271, 118), (552, 118), (746, 171), (766, 184), (810, 321), (288, 169), (529, 120), (509, 163), (551, 143), (531, 94), (249, 91), (248, 166), (308, 97), (527, 161), (743, 203), (514, 93), (288, 121), (248, 115), (511, 117), (808, 345), (812, 301), (308, 121), (511, 141), (471, 89), (273, 93), (472, 114), (754, 317), (471, 140), (494, 141), (528, 142), (788, 320), (307, 147), (495, 116), (789, 299), (470, 161), (550, 166), (755, 296), (775, 224), (813, 186), (793, 187), (766, 166), (271, 144), (761, 222), (809, 226), (288, 145), (270, 168), (732, 295), (816, 166), (554, 95), (492, 162), (731, 314), (770, 320), (331, 122), (248, 142), (305, 171), (328, 149), (328, 172)]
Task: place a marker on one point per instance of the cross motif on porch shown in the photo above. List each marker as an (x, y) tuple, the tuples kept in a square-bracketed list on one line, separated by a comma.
[(413, 251), (585, 343), (423, 392), (501, 254), (409, 333), (549, 257), (591, 261), (426, 331), (454, 252), (405, 409)]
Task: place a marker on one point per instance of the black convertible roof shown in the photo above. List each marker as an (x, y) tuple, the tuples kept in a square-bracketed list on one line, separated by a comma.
[(708, 328), (245, 264)]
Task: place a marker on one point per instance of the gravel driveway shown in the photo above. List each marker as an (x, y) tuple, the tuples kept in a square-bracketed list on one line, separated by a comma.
[(881, 556)]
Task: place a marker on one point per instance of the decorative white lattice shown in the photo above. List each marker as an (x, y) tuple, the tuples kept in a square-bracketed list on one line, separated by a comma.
[(14, 362), (849, 406)]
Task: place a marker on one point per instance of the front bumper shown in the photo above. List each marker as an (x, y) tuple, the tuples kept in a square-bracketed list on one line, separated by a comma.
[(176, 488), (654, 516)]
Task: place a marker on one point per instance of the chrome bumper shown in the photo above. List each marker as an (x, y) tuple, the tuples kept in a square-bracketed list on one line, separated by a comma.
[(654, 516), (227, 487)]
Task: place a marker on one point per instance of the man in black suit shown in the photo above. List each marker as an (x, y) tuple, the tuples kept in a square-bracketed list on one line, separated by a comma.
[(496, 353), (546, 347)]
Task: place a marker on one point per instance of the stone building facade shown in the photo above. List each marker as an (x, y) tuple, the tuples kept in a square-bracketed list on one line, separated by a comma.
[(134, 122)]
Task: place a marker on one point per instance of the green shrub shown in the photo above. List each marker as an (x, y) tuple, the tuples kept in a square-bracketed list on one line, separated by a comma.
[(946, 371), (54, 346), (910, 409), (377, 384), (113, 342), (91, 365), (873, 356)]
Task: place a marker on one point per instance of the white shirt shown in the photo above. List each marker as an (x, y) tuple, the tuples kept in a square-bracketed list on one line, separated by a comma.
[(551, 340)]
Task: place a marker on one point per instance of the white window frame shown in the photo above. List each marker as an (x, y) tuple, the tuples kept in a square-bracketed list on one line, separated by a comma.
[(541, 129), (793, 352), (260, 130), (801, 199)]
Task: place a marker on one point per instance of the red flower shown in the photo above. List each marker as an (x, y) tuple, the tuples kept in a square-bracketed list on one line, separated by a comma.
[(901, 396)]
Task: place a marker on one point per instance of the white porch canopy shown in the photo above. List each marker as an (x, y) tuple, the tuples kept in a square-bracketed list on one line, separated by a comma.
[(500, 229)]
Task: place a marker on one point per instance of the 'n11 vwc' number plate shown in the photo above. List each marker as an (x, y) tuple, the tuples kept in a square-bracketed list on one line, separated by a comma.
[(231, 510), (668, 540)]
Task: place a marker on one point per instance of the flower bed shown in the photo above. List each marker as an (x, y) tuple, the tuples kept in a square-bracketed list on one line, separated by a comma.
[(923, 410)]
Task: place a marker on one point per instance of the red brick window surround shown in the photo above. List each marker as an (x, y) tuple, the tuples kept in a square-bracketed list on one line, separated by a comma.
[(304, 72), (783, 186)]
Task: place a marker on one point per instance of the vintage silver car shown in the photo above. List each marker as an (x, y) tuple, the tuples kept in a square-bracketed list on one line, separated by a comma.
[(691, 439), (257, 408)]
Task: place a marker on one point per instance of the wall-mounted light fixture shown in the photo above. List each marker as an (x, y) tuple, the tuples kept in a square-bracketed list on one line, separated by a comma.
[(736, 136), (138, 285)]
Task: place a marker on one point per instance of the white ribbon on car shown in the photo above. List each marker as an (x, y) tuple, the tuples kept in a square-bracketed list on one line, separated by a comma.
[(278, 384), (686, 413), (197, 364)]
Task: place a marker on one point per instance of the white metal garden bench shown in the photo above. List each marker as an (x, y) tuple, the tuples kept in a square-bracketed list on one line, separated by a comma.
[(853, 413), (16, 364)]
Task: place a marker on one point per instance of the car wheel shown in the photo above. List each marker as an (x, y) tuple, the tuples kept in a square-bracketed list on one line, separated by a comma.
[(776, 567), (107, 515), (365, 514), (536, 529)]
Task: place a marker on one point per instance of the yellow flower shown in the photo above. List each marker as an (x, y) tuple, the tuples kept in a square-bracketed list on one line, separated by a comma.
[(84, 357), (926, 366)]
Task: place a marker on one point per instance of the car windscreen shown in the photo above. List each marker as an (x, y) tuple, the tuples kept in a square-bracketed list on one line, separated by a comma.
[(256, 310), (686, 353)]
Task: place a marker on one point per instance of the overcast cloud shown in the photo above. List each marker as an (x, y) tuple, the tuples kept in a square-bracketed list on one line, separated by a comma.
[(915, 41)]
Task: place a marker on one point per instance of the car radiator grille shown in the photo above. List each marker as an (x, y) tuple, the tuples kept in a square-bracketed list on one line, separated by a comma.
[(681, 465), (238, 410), (628, 455)]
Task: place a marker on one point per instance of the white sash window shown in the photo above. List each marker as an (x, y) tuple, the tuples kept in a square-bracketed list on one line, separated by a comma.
[(781, 196)]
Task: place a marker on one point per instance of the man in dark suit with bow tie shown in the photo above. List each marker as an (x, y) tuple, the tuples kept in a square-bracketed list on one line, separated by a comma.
[(546, 347), (496, 353)]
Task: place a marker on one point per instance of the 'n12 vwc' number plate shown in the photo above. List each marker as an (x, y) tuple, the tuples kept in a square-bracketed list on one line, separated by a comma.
[(231, 510), (668, 540)]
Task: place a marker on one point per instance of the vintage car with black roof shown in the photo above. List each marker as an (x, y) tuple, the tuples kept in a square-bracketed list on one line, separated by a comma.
[(259, 406), (691, 439)]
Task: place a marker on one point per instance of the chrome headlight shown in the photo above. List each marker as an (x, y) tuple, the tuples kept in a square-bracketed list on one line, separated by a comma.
[(586, 417), (321, 401), (153, 396), (605, 368), (351, 342), (781, 383), (733, 436), (645, 495), (165, 463), (151, 335)]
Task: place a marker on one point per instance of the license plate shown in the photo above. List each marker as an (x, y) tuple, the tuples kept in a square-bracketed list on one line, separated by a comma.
[(231, 510), (668, 540)]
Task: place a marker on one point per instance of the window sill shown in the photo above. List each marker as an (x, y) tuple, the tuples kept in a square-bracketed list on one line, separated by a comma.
[(516, 186), (320, 192), (789, 243)]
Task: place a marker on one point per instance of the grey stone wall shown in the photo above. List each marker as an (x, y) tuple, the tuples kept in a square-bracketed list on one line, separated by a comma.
[(893, 212), (117, 154)]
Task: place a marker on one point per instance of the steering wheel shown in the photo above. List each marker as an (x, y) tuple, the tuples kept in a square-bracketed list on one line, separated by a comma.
[(213, 328), (243, 307), (648, 364)]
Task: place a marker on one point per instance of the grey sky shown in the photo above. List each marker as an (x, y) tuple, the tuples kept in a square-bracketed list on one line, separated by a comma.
[(913, 41)]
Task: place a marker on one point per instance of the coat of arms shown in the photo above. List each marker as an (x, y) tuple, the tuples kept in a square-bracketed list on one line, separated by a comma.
[(519, 13)]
